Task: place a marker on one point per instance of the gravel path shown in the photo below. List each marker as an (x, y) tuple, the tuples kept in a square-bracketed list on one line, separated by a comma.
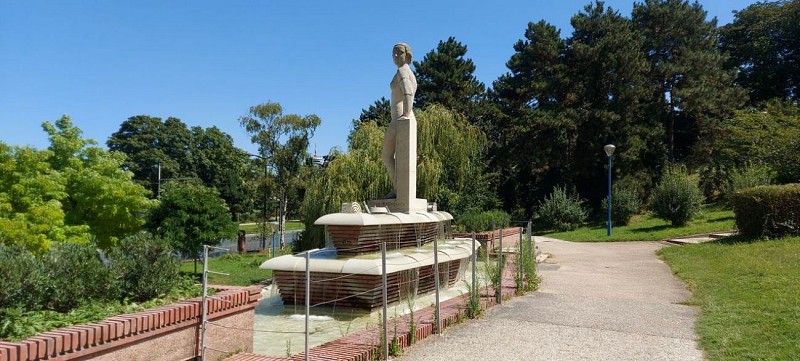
[(597, 301)]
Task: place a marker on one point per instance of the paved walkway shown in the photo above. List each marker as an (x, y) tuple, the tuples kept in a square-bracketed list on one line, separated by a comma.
[(598, 301)]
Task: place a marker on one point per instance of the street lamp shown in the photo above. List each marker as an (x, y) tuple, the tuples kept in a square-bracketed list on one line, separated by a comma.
[(609, 149)]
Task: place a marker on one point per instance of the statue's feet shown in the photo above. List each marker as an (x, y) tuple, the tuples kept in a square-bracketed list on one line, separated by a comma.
[(390, 195)]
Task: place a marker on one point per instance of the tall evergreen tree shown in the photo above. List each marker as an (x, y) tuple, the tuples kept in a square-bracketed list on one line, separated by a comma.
[(532, 141), (688, 79), (764, 43), (446, 77), (607, 73)]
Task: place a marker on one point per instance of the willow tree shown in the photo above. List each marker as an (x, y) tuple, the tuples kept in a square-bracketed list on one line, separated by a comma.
[(449, 170)]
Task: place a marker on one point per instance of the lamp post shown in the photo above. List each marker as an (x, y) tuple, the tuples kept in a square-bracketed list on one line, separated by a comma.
[(609, 149)]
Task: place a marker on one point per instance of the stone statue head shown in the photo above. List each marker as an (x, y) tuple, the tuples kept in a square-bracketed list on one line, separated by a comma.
[(401, 54)]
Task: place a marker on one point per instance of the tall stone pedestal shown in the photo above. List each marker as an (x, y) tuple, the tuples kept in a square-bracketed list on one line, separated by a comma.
[(405, 163)]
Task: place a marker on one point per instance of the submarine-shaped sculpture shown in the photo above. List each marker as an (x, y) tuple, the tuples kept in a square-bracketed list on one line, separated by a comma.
[(348, 272)]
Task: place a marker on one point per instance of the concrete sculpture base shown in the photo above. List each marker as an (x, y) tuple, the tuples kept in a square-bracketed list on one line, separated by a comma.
[(349, 273)]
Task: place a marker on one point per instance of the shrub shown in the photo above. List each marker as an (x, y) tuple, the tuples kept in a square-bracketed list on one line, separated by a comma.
[(713, 178), (484, 221), (625, 204), (21, 277), (561, 211), (75, 275), (144, 266), (747, 177), (768, 210), (677, 198)]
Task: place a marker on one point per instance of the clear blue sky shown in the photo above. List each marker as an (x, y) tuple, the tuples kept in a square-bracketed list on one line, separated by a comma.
[(207, 62)]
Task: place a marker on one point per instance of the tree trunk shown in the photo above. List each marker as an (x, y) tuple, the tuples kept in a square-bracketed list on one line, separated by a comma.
[(282, 220)]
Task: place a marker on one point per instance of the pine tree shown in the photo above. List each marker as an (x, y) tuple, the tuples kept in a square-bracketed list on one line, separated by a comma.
[(688, 79)]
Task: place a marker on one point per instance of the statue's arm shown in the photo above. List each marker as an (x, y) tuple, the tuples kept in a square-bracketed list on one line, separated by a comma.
[(408, 98)]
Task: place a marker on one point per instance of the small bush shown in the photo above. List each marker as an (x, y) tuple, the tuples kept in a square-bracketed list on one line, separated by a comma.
[(21, 277), (625, 204), (747, 177), (75, 276), (677, 198), (145, 267), (484, 221), (768, 210), (561, 211)]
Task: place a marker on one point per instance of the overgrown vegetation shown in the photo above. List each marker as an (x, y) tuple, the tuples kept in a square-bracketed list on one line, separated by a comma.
[(493, 273), (748, 295), (526, 278), (145, 267)]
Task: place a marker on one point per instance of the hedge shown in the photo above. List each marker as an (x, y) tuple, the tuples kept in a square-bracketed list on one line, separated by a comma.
[(769, 211)]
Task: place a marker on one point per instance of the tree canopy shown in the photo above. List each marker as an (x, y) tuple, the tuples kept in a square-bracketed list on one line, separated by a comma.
[(179, 152), (283, 144), (190, 215), (764, 44), (72, 192)]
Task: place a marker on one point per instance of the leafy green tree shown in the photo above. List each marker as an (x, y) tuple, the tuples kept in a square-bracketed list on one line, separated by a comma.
[(190, 215), (769, 135), (688, 78), (220, 164), (70, 193), (31, 192), (763, 42), (283, 143), (100, 194), (182, 153), (152, 145)]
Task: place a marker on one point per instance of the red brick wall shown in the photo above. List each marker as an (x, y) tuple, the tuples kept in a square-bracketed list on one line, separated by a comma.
[(116, 334)]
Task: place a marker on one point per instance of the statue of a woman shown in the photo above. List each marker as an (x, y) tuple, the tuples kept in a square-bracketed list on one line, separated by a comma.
[(403, 85)]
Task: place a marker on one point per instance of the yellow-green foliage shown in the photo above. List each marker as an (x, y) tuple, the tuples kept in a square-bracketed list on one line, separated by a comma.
[(72, 192)]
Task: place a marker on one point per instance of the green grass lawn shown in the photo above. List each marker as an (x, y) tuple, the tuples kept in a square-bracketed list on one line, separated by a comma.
[(748, 294), (242, 269), (646, 227), (290, 226)]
